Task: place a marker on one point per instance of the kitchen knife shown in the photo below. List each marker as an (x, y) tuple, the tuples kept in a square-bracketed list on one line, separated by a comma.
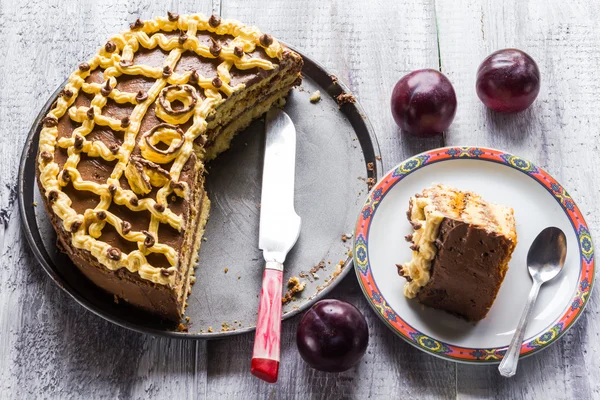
[(278, 232)]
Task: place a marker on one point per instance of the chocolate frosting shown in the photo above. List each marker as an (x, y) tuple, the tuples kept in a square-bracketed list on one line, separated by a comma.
[(466, 273)]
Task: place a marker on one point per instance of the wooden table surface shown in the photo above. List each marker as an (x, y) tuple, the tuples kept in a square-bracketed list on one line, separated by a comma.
[(50, 347)]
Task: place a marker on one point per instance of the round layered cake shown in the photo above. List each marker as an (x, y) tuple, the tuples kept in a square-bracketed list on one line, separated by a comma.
[(122, 151)]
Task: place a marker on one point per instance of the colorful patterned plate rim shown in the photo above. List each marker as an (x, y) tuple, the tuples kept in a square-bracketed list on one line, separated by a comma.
[(430, 344)]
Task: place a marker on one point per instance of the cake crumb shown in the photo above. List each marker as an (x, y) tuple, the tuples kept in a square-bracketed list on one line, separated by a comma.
[(210, 329), (345, 98), (370, 183), (204, 239), (344, 238), (315, 97), (294, 287), (35, 203), (334, 79), (187, 319), (226, 270), (225, 327), (338, 270), (320, 265), (370, 166), (239, 277), (116, 299), (202, 331), (378, 158), (182, 328)]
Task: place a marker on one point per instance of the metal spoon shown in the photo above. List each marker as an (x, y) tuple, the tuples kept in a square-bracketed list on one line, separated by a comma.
[(545, 260)]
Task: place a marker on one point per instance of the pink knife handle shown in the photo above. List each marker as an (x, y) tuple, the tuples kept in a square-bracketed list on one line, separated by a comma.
[(265, 357)]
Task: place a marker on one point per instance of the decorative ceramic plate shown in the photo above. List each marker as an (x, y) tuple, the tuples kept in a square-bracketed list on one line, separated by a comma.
[(539, 201)]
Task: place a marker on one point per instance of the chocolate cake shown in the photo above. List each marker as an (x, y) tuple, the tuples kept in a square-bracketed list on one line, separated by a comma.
[(122, 151), (461, 248)]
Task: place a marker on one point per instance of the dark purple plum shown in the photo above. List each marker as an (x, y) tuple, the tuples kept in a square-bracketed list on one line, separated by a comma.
[(508, 81), (424, 102), (332, 336)]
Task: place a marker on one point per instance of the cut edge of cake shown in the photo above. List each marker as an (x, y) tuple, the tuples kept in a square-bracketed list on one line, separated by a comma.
[(476, 226)]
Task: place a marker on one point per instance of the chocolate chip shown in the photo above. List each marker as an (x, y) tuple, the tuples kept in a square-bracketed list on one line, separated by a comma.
[(210, 117), (167, 72), (238, 51), (416, 225), (125, 227), (194, 77), (125, 122), (176, 185), (68, 93), (141, 96), (159, 207), (414, 247), (182, 37), (408, 238), (166, 272), (90, 113), (65, 176), (114, 253), (149, 241), (134, 201), (214, 21), (217, 83), (172, 16), (125, 63), (114, 148), (101, 215), (78, 142), (214, 49), (52, 196), (75, 226), (112, 189), (105, 91), (266, 40), (110, 46), (50, 122), (84, 67), (137, 24), (46, 156)]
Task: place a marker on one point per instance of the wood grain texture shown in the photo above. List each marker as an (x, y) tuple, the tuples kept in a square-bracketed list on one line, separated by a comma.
[(50, 347), (558, 133)]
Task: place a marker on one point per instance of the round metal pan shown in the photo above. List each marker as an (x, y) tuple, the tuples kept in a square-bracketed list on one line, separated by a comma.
[(336, 146)]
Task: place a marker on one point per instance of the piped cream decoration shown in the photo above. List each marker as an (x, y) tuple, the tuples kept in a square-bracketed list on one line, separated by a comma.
[(426, 220), (116, 63)]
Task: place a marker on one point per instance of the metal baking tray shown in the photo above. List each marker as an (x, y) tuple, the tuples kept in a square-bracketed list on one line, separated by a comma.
[(336, 142)]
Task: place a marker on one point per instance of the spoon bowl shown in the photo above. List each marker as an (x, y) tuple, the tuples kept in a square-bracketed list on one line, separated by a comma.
[(547, 254)]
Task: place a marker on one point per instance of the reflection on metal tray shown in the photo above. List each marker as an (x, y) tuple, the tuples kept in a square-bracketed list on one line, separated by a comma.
[(336, 153)]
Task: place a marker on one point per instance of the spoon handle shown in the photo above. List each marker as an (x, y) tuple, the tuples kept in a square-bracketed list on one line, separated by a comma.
[(508, 366)]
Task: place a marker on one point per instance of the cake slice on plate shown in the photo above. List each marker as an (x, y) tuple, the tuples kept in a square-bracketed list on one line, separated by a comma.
[(461, 248), (122, 150)]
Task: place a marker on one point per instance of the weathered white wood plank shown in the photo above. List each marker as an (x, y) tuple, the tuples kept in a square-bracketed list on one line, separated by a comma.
[(369, 46), (50, 347), (559, 133)]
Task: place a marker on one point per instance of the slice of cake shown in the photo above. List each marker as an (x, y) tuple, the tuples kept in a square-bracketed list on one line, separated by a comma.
[(122, 150), (461, 248)]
